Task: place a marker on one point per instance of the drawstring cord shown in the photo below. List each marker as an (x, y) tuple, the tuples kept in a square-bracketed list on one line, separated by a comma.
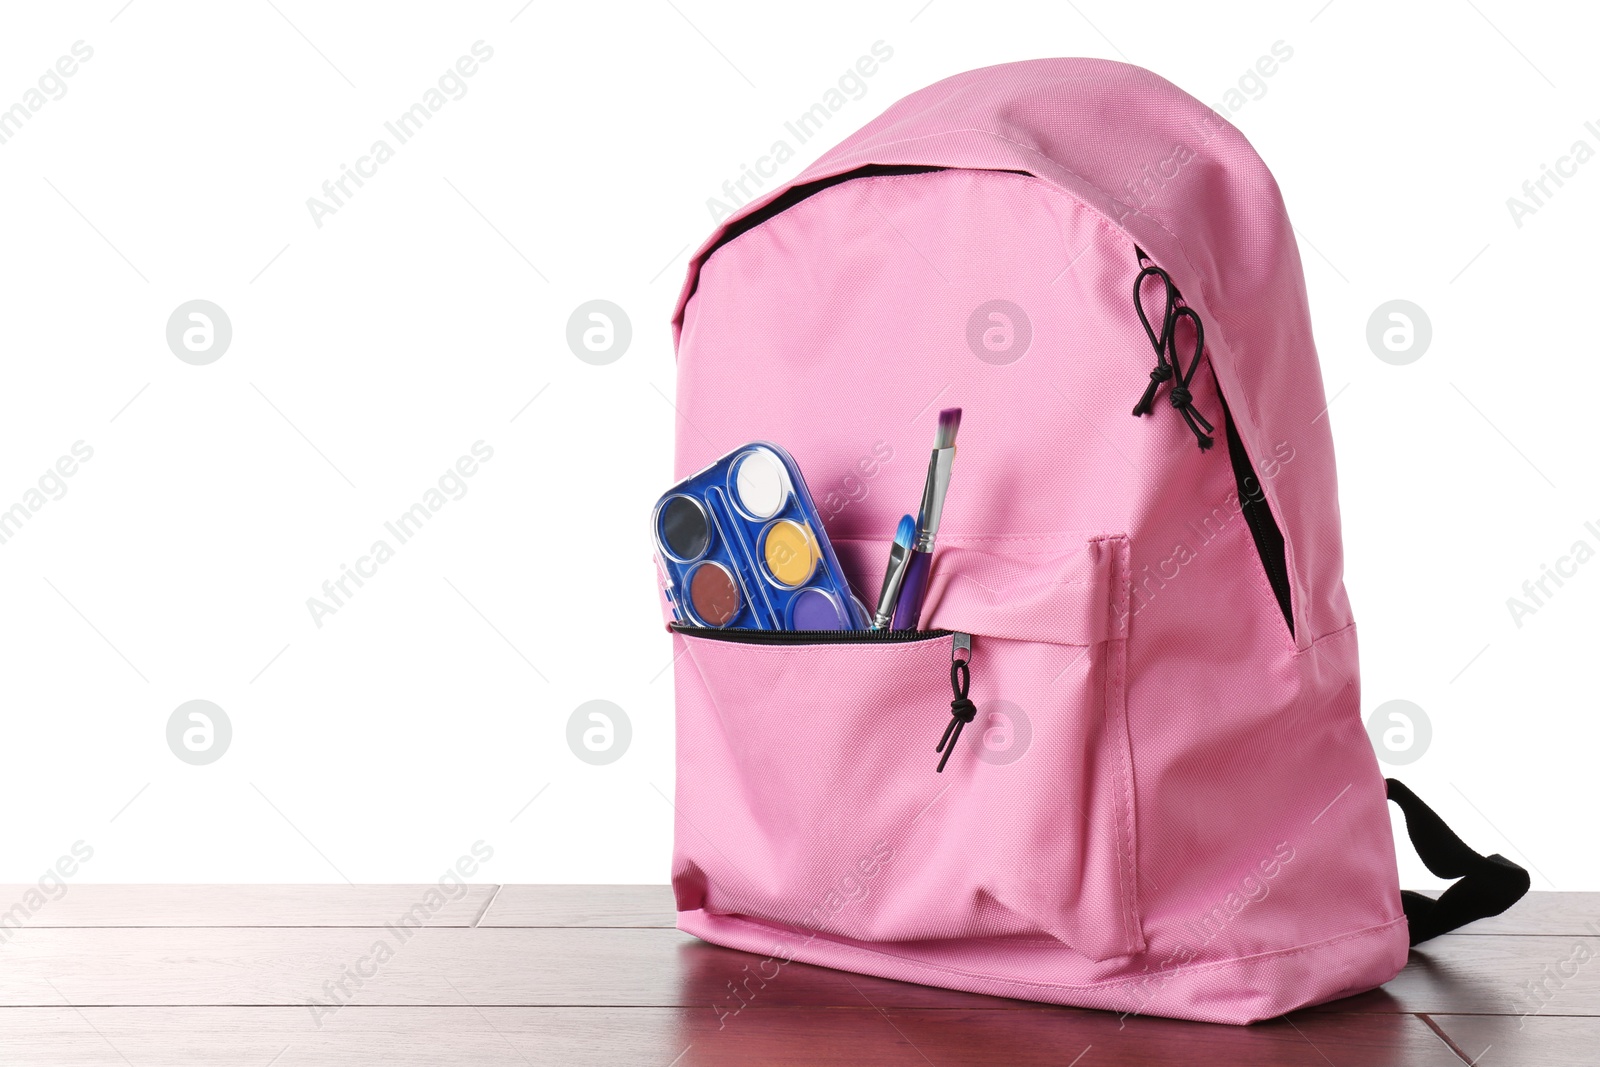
[(1163, 369), (1182, 399), (962, 710), (1169, 367)]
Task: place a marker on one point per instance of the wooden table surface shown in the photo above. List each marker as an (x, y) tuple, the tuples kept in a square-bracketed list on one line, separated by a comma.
[(579, 975)]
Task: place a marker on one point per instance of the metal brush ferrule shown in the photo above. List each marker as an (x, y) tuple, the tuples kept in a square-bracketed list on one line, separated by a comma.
[(933, 492)]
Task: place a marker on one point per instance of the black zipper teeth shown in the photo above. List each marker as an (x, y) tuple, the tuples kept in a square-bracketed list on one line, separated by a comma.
[(796, 194), (1277, 573), (1264, 529), (810, 637)]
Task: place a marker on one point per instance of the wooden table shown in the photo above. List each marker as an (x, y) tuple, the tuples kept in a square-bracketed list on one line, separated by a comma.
[(578, 975)]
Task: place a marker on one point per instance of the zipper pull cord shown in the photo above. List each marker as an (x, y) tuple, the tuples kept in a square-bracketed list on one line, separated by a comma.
[(1159, 341), (1165, 342), (1181, 398), (962, 710)]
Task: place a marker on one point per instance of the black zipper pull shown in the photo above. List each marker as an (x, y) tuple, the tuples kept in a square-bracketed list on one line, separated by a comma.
[(962, 710), (1169, 366), (1159, 339), (1181, 398)]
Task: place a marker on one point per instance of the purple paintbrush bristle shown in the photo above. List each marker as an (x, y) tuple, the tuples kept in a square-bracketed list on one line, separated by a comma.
[(949, 423)]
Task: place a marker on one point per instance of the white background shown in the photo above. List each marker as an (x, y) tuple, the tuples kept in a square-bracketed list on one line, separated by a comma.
[(370, 353)]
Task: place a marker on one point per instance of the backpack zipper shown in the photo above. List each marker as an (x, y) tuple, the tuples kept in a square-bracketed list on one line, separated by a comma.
[(1258, 516), (811, 637), (962, 709)]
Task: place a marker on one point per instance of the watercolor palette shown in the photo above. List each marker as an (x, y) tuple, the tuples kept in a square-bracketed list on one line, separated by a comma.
[(741, 546)]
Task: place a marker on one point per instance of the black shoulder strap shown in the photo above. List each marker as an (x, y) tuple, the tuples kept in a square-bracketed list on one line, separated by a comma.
[(1488, 884)]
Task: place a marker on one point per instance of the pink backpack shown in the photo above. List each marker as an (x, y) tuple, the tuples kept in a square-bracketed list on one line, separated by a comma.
[(1167, 802)]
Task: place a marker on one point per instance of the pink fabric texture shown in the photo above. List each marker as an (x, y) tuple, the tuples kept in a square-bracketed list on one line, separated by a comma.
[(1168, 804)]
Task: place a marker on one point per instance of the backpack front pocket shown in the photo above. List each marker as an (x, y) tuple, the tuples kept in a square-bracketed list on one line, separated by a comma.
[(807, 792)]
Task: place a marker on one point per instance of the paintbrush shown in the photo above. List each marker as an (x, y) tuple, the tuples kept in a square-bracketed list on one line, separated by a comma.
[(899, 558), (914, 586)]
